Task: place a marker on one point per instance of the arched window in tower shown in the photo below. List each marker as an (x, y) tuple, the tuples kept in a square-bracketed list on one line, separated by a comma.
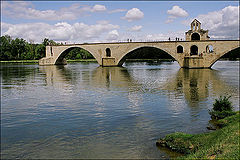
[(179, 49), (194, 50), (195, 36), (108, 52)]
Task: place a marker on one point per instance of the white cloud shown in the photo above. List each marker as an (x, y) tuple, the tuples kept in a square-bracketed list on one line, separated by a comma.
[(143, 37), (134, 14), (169, 20), (165, 36), (26, 10), (117, 10), (113, 35), (99, 8), (175, 12), (223, 24), (77, 32), (136, 28)]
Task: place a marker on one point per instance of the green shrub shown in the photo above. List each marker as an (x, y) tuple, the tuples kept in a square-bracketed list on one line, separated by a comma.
[(222, 104), (220, 115), (222, 108)]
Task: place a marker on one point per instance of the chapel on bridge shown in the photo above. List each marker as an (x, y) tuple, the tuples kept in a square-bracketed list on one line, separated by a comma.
[(196, 33)]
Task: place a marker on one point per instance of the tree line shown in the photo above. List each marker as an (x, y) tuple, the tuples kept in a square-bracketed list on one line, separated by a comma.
[(20, 49)]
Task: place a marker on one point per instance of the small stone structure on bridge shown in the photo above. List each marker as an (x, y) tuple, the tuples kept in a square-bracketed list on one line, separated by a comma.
[(196, 52)]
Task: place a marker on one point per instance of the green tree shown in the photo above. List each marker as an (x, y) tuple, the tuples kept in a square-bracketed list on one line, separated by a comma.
[(5, 47), (45, 42), (18, 47), (78, 53), (40, 51)]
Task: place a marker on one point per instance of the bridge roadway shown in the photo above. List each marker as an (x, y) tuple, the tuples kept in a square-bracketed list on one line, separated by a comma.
[(188, 54)]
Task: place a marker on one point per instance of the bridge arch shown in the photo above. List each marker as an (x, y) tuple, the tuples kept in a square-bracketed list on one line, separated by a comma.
[(236, 50), (130, 52), (61, 57)]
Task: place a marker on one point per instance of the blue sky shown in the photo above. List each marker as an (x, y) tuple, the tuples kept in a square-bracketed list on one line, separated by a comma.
[(103, 21)]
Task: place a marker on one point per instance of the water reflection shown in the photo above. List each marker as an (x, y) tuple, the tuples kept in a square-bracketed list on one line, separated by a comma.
[(57, 75), (106, 77), (110, 77), (85, 111), (16, 75), (196, 85)]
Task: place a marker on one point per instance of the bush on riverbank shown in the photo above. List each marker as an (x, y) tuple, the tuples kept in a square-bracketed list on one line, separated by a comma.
[(222, 108), (222, 143)]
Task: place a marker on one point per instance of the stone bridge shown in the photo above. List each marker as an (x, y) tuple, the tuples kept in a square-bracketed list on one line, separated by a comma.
[(189, 54), (196, 52)]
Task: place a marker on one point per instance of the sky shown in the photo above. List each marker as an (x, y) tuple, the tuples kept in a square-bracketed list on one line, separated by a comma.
[(116, 21)]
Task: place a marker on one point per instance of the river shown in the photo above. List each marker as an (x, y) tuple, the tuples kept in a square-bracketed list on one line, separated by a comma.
[(81, 110)]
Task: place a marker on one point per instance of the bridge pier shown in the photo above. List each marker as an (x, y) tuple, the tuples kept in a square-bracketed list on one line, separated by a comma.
[(108, 62), (193, 62), (46, 61)]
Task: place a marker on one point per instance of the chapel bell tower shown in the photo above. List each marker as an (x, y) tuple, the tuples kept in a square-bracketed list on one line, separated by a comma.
[(196, 33)]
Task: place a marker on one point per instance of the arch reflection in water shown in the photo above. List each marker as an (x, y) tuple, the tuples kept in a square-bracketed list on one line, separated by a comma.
[(98, 79), (101, 77), (58, 76), (196, 85), (111, 77)]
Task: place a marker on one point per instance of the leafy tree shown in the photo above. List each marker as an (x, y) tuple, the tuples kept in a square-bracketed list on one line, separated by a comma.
[(45, 42), (18, 47), (78, 53), (5, 47), (40, 51)]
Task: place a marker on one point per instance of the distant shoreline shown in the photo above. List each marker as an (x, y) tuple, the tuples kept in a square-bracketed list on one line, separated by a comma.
[(94, 60)]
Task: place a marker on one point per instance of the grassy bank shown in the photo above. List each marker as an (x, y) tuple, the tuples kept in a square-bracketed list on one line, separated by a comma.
[(20, 61), (222, 143), (36, 61), (85, 60)]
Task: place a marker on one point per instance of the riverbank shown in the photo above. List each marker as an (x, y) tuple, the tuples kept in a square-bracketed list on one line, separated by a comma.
[(87, 60), (94, 60), (36, 61), (222, 143), (20, 61)]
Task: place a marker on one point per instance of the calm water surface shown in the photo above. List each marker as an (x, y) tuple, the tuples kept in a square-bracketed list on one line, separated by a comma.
[(82, 110)]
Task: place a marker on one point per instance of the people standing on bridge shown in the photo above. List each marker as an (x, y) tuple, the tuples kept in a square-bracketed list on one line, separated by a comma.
[(169, 39)]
